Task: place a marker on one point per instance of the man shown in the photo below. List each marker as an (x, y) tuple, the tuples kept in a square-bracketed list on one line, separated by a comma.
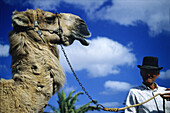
[(149, 72)]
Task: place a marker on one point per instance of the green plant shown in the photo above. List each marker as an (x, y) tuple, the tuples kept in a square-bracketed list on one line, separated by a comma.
[(67, 104)]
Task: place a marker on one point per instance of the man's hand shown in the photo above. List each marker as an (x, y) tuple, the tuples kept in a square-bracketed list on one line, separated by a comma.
[(166, 94)]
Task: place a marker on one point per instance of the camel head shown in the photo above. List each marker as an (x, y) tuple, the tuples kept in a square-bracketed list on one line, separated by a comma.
[(33, 43), (57, 28)]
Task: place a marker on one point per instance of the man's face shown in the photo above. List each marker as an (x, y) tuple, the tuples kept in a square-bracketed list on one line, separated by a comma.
[(149, 76)]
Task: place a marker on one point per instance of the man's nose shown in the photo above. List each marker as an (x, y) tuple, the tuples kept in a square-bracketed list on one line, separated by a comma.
[(150, 75)]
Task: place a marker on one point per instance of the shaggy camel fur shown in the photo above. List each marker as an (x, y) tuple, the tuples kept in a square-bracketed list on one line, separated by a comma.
[(37, 73)]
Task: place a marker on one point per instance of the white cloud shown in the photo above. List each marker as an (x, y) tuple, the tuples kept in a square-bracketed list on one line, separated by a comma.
[(111, 104), (115, 86), (68, 89), (4, 50), (155, 13), (90, 6), (165, 74), (87, 5), (45, 4), (102, 57)]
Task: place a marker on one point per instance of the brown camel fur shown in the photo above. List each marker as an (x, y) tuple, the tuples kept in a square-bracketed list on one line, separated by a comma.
[(37, 73)]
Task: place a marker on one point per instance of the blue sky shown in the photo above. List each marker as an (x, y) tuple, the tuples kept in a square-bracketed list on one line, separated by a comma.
[(122, 33)]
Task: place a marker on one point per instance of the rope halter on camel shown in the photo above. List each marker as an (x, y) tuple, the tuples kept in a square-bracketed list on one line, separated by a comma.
[(37, 28)]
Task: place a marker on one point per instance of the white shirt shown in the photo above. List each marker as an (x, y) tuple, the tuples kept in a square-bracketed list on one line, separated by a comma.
[(142, 93)]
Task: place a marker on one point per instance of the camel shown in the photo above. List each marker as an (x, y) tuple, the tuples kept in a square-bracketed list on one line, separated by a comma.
[(37, 73)]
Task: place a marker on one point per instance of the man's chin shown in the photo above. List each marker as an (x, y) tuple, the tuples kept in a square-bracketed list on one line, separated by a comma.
[(147, 83)]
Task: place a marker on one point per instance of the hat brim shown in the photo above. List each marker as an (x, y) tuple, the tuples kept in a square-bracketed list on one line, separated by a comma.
[(149, 67)]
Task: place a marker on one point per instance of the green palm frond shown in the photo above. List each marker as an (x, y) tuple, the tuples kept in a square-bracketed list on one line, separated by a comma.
[(67, 104), (86, 108), (68, 100), (74, 98), (53, 108)]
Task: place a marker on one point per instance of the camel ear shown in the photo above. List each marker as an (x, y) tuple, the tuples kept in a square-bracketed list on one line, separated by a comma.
[(19, 20)]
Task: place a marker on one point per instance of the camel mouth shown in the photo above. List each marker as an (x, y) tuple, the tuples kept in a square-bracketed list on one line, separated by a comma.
[(81, 38)]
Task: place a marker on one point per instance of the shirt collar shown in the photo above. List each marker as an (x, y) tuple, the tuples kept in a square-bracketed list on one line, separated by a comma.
[(148, 88)]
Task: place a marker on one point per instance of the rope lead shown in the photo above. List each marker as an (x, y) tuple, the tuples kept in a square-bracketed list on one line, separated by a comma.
[(118, 109)]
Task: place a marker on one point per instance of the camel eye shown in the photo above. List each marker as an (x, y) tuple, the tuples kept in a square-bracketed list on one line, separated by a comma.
[(50, 19)]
